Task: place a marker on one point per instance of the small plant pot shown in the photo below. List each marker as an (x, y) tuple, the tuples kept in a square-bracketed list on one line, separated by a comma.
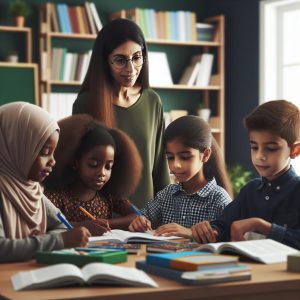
[(204, 113), (19, 21)]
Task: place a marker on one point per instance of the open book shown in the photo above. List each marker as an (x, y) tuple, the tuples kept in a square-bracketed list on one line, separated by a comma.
[(266, 251), (95, 273), (122, 236)]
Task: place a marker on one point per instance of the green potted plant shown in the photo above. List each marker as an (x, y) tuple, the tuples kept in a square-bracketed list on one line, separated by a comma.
[(239, 176), (19, 9)]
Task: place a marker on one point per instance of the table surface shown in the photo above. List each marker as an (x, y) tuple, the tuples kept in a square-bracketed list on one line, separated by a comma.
[(268, 282)]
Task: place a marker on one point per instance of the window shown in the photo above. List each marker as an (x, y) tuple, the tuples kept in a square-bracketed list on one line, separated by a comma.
[(280, 53)]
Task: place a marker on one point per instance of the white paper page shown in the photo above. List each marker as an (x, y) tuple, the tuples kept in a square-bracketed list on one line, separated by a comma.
[(50, 274), (267, 251), (102, 272)]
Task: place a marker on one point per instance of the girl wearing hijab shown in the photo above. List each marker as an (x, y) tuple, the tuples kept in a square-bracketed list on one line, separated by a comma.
[(28, 221)]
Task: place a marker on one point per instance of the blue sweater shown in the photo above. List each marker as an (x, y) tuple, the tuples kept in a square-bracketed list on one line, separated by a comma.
[(277, 202)]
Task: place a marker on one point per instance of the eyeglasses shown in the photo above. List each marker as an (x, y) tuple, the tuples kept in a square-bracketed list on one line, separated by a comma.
[(120, 62)]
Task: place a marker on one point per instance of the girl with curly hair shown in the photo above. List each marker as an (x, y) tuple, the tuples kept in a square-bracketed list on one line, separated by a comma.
[(97, 168)]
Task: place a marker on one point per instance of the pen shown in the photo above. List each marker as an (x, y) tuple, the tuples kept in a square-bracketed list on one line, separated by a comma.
[(91, 216), (136, 210), (138, 213), (87, 213), (63, 219)]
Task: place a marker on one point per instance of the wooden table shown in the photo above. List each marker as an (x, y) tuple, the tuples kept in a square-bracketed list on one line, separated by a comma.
[(269, 282)]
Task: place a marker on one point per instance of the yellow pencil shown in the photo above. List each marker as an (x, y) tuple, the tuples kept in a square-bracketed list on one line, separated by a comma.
[(87, 213)]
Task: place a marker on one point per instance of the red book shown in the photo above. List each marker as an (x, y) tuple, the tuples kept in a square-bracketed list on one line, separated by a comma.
[(73, 19)]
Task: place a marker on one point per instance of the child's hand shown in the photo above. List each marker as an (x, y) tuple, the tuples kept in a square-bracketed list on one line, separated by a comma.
[(173, 229), (97, 227), (203, 233), (76, 237), (140, 224), (240, 227)]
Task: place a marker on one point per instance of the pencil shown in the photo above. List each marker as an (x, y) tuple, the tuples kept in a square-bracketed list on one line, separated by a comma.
[(92, 217), (87, 213)]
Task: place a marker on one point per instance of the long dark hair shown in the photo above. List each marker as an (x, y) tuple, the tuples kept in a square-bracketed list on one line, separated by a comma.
[(194, 132), (98, 81)]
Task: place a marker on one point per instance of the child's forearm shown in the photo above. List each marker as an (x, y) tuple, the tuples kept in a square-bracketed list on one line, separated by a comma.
[(262, 226), (121, 222)]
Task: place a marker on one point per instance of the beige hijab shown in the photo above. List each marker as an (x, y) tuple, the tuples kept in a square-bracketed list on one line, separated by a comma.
[(24, 129)]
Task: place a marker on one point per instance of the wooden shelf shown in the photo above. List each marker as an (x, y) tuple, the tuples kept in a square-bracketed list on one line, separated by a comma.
[(61, 35), (184, 43), (28, 34)]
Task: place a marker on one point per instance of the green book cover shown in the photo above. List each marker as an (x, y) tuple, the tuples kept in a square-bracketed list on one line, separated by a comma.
[(81, 256)]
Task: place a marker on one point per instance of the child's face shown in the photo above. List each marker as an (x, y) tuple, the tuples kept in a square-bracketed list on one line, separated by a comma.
[(44, 162), (270, 154), (184, 162), (94, 167)]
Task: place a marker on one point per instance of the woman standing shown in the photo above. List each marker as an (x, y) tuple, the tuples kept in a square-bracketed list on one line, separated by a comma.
[(116, 91)]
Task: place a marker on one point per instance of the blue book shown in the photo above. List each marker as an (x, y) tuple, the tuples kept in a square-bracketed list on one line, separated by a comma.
[(164, 259), (192, 260), (241, 272), (63, 18)]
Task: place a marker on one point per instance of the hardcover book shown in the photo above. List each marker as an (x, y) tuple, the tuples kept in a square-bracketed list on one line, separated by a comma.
[(92, 274), (81, 257), (237, 273), (191, 260), (161, 247)]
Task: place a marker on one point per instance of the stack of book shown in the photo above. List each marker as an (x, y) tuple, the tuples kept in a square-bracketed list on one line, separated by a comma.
[(195, 268)]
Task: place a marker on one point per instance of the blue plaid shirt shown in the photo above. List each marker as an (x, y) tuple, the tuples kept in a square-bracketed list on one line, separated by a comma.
[(174, 205)]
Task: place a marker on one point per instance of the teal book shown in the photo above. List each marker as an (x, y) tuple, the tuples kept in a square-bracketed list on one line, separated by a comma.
[(81, 257), (192, 260), (237, 273)]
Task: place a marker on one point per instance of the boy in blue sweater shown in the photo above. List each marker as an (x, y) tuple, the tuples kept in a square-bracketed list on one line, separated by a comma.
[(269, 205)]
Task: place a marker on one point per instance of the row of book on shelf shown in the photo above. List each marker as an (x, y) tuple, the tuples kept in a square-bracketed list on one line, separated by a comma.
[(83, 19), (66, 66), (171, 25), (59, 105)]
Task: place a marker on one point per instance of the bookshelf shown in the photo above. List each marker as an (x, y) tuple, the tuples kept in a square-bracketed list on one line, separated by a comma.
[(23, 72), (211, 96), (28, 38)]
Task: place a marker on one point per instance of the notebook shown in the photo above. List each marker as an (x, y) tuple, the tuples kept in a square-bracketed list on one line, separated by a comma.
[(122, 236), (266, 251)]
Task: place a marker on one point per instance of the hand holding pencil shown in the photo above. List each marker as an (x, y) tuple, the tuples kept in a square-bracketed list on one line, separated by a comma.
[(96, 226)]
